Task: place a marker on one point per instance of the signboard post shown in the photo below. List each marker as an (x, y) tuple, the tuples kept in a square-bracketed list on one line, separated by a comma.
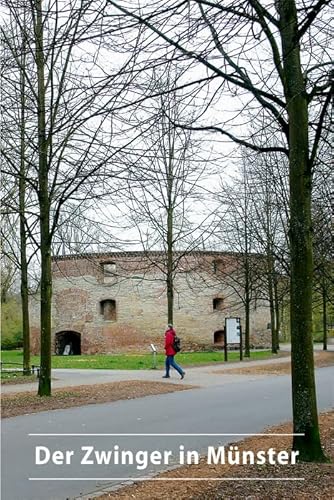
[(225, 343), (232, 334), (154, 354)]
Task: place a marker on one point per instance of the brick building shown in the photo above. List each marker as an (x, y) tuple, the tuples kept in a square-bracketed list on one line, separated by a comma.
[(116, 302)]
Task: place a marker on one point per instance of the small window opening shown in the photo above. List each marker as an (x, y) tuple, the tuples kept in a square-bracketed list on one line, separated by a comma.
[(109, 268), (218, 304), (217, 266), (108, 309)]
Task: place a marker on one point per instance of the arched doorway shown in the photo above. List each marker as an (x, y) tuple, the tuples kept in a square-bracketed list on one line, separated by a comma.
[(68, 342), (218, 337)]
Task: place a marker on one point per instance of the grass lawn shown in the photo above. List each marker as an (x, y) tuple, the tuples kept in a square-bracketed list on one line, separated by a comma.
[(130, 361)]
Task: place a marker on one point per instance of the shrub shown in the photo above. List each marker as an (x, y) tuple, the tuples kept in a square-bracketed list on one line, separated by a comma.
[(10, 343), (11, 324)]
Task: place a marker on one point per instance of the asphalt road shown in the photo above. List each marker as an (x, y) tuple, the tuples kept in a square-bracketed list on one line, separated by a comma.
[(242, 405)]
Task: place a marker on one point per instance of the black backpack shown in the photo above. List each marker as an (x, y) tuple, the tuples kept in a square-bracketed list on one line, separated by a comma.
[(177, 344)]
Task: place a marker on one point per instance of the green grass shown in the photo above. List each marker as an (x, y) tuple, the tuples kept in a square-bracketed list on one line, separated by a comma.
[(318, 335), (130, 361)]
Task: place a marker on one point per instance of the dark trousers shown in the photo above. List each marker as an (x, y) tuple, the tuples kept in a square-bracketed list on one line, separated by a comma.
[(170, 362)]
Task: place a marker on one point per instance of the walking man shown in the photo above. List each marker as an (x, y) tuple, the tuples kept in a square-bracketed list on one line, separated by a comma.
[(170, 352)]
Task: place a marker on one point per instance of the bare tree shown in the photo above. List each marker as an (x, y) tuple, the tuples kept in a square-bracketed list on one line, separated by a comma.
[(278, 66), (323, 247), (269, 177), (164, 187), (67, 139), (236, 213), (8, 266)]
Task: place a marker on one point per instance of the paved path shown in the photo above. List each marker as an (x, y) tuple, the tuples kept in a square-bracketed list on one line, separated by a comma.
[(239, 404), (199, 375)]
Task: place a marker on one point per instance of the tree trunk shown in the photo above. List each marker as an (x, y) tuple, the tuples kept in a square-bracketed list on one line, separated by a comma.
[(23, 235), (271, 302), (271, 273), (305, 416), (247, 306), (170, 224), (246, 265), (24, 292), (277, 315), (324, 317), (44, 388), (272, 323), (170, 281), (247, 328)]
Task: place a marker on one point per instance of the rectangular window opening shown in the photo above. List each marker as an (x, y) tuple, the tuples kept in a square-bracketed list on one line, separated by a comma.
[(108, 309), (218, 304)]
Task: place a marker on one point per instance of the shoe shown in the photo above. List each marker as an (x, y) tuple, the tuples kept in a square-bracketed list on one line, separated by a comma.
[(166, 376), (182, 376)]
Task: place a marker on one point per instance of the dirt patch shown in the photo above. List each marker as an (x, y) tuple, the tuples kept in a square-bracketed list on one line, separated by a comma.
[(321, 359), (26, 402), (317, 483), (19, 379)]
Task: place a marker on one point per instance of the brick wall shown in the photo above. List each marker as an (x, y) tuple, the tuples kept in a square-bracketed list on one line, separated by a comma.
[(79, 287)]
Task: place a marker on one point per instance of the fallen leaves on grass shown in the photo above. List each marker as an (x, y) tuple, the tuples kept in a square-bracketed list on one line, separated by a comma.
[(318, 481), (26, 402), (18, 379), (321, 359)]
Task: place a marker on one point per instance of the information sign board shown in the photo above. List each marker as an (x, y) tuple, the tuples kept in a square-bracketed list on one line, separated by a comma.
[(233, 330)]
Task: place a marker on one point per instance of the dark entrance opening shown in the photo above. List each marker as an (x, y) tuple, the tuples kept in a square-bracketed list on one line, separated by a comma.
[(68, 342), (218, 337)]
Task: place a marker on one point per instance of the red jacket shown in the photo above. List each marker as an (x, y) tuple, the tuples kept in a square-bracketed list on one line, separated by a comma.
[(169, 341)]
